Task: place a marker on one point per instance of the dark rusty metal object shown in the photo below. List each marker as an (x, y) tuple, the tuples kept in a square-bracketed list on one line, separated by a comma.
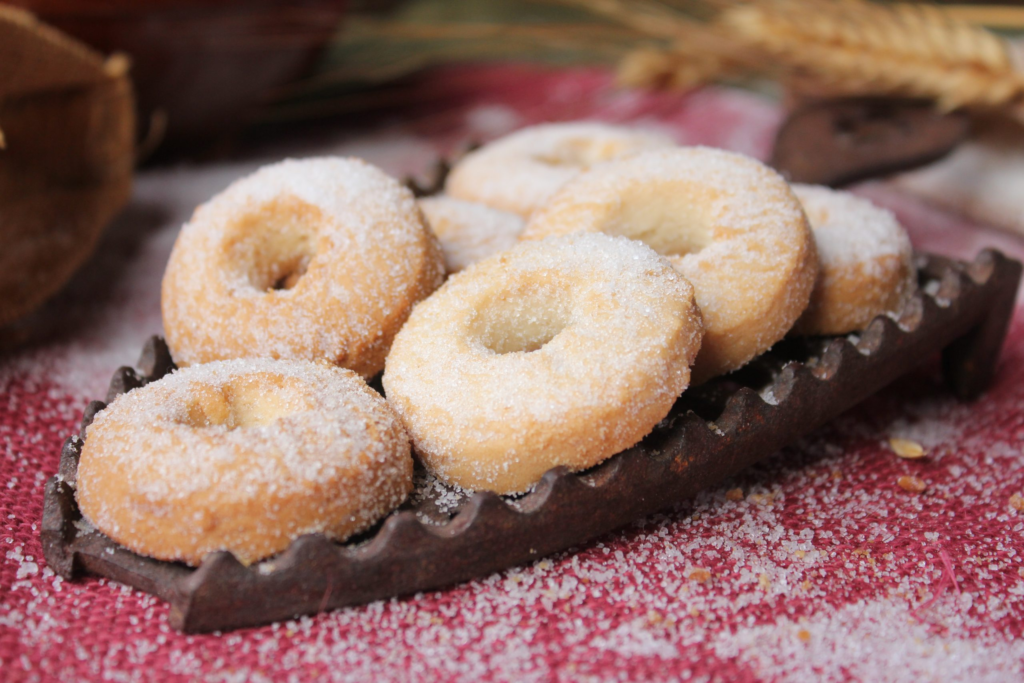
[(808, 382), (433, 183), (837, 142)]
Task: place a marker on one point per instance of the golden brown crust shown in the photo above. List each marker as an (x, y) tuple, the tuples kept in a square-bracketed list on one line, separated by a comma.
[(728, 223), (866, 262), (520, 172), (469, 231), (561, 352), (245, 456), (318, 260)]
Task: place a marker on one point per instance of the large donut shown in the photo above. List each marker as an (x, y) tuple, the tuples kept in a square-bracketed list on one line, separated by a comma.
[(561, 352), (728, 223), (469, 231), (520, 172), (320, 259), (865, 262), (242, 455)]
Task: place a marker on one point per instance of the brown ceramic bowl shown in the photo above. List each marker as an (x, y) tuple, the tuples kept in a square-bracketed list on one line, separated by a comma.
[(201, 67)]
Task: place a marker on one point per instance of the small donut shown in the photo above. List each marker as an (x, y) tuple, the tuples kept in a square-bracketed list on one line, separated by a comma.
[(468, 231), (242, 455), (320, 259), (561, 352), (727, 222), (865, 262), (520, 172)]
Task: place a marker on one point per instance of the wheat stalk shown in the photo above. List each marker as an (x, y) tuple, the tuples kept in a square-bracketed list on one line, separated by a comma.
[(697, 52), (820, 47), (853, 47)]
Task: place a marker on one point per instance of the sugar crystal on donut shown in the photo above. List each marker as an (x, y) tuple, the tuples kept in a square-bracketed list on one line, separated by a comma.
[(469, 231), (521, 171), (242, 455), (561, 352), (319, 259), (727, 222), (866, 262)]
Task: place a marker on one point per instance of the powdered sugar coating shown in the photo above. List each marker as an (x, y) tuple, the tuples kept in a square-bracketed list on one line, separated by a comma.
[(561, 352), (522, 171), (243, 455), (469, 231), (865, 261), (727, 222), (319, 259)]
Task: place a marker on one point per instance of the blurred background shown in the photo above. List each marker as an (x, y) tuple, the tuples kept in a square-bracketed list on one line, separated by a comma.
[(205, 71), (93, 92)]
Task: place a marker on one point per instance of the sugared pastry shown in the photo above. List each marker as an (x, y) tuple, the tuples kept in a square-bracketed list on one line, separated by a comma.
[(727, 222), (557, 352), (865, 262), (522, 171), (469, 231), (242, 455), (320, 259)]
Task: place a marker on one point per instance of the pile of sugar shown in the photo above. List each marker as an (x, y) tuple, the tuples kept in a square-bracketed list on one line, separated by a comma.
[(469, 231), (434, 500)]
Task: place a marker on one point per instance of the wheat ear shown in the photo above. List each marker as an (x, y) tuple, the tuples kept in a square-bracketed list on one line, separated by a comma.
[(853, 47)]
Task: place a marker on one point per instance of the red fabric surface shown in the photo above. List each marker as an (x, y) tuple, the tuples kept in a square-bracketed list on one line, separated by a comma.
[(823, 569)]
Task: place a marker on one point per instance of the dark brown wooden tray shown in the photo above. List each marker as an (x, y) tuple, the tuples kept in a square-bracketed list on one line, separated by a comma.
[(713, 431)]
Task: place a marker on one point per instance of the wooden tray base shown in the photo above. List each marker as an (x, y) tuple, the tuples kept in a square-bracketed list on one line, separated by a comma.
[(713, 431)]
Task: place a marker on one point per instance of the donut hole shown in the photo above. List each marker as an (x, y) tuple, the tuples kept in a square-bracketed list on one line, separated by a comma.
[(274, 244), (520, 322), (664, 218), (581, 152), (292, 271), (242, 403)]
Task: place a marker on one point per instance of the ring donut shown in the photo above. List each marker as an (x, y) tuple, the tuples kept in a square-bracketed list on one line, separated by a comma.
[(520, 172), (320, 259), (561, 352), (242, 455), (865, 262), (469, 231), (727, 222)]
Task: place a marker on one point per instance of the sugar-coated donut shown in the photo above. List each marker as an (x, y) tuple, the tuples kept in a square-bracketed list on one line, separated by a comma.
[(560, 352), (520, 172), (727, 222), (320, 259), (469, 231), (865, 261), (242, 455)]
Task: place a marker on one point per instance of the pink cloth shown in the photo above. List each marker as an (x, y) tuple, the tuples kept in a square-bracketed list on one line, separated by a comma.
[(824, 569)]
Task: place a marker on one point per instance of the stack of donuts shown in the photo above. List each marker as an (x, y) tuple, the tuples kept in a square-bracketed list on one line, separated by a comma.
[(547, 310)]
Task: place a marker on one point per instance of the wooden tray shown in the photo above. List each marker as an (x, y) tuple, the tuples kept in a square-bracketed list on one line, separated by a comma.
[(712, 432)]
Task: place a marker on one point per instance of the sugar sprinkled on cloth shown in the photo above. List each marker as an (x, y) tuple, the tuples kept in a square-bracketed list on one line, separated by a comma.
[(849, 562)]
